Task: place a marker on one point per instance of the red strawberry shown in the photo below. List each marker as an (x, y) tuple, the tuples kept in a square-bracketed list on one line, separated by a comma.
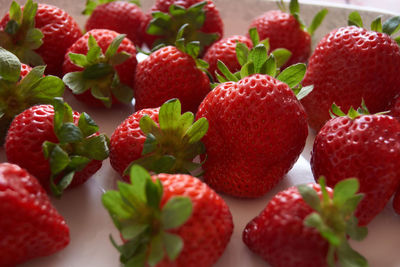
[(119, 16), (99, 68), (396, 202), (286, 30), (58, 152), (350, 64), (362, 146), (169, 147), (287, 233), (176, 221), (30, 226), (51, 31)]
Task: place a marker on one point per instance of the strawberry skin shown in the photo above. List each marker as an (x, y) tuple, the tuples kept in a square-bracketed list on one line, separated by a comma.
[(247, 137), (119, 16), (367, 148), (225, 50), (25, 137), (350, 64), (60, 31), (279, 236), (169, 73), (284, 31), (30, 226)]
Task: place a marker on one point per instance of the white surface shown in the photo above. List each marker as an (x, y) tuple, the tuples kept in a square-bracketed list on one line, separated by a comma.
[(90, 225)]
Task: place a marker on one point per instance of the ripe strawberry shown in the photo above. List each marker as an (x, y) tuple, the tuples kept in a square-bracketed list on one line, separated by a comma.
[(286, 30), (308, 226), (177, 215), (362, 146), (120, 16), (30, 226), (350, 64), (172, 72), (99, 68), (22, 87), (139, 140), (59, 147), (40, 34)]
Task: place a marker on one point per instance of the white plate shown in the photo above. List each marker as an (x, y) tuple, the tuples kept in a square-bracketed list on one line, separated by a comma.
[(90, 224)]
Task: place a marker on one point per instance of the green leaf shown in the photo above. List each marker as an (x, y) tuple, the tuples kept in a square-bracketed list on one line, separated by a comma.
[(150, 144), (376, 25), (255, 39), (46, 89), (119, 58), (154, 193), (10, 67), (59, 159), (15, 12), (336, 111), (169, 114), (304, 91), (247, 69), (102, 94), (293, 75), (294, 7), (96, 147), (29, 13), (87, 125), (355, 19), (197, 130), (391, 26), (349, 257), (76, 82), (123, 93), (113, 47), (94, 53), (242, 52), (176, 212), (193, 49), (397, 39), (34, 76), (78, 163), (90, 7), (258, 55), (34, 38), (138, 177), (147, 125), (62, 113), (11, 27), (310, 196), (269, 66), (78, 59), (133, 230), (164, 164), (173, 245), (47, 147), (354, 231), (226, 72), (315, 220), (69, 133), (317, 20), (351, 204), (97, 71), (156, 250), (113, 202), (185, 121), (65, 181), (281, 56), (32, 58), (344, 190)]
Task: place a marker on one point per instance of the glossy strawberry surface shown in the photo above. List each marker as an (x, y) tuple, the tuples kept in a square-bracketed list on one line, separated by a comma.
[(367, 148), (169, 73), (60, 31), (284, 31), (257, 130), (350, 64), (30, 226), (279, 236)]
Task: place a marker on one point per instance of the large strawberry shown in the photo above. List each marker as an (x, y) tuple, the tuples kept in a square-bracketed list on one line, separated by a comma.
[(22, 87), (350, 64), (286, 30), (100, 68), (30, 226), (308, 226), (362, 146), (174, 220), (38, 35), (120, 16), (172, 72), (59, 147), (159, 139)]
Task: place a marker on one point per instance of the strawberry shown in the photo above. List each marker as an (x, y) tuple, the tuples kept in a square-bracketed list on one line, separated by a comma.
[(286, 30), (159, 139), (22, 87), (241, 114), (58, 146), (172, 72), (307, 226), (38, 35), (30, 226), (362, 146), (350, 64), (120, 16), (99, 68), (396, 202), (174, 220), (395, 108)]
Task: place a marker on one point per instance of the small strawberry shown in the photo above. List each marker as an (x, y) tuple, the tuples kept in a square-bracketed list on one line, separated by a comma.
[(120, 16), (58, 146), (308, 226), (363, 146), (99, 68), (286, 30), (350, 64), (159, 139), (30, 226), (38, 35), (168, 220), (172, 72), (22, 87)]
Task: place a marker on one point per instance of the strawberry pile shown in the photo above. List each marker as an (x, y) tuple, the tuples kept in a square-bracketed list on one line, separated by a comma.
[(212, 115)]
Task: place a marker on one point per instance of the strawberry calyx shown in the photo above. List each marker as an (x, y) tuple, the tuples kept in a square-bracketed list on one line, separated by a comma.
[(144, 226), (334, 219), (167, 25), (78, 145), (171, 146), (257, 60), (18, 94), (99, 74), (92, 4), (20, 35), (352, 113)]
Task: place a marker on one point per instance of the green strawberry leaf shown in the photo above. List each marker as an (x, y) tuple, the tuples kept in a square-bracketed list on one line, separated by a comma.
[(113, 47), (119, 58), (15, 12), (317, 20), (258, 55), (302, 92), (255, 39), (33, 77), (133, 230), (58, 160), (197, 130), (78, 59), (294, 7), (344, 190), (229, 76), (281, 56), (354, 231), (355, 19), (173, 245), (34, 38), (176, 212), (242, 52), (156, 251), (376, 24), (78, 163), (96, 147), (310, 197), (45, 90), (62, 184), (76, 82), (87, 125), (10, 67), (349, 257), (391, 26), (69, 133), (293, 75)]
